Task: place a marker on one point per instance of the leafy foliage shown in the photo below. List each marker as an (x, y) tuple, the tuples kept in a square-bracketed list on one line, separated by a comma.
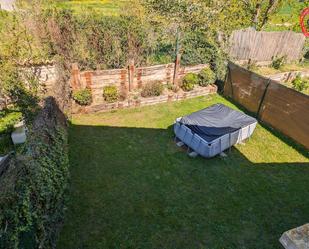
[(206, 77), (172, 87), (300, 84), (287, 16), (278, 62), (110, 94), (7, 120), (252, 66), (23, 95), (189, 81), (152, 89), (83, 97), (32, 196)]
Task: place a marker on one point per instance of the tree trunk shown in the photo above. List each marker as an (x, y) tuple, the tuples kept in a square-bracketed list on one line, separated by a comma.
[(256, 15), (271, 7)]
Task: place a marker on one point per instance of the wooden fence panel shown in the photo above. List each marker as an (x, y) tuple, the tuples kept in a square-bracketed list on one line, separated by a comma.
[(277, 105), (262, 46), (287, 111), (245, 87)]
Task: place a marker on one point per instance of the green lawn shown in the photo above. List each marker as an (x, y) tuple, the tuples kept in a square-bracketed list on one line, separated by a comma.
[(131, 187), (105, 7)]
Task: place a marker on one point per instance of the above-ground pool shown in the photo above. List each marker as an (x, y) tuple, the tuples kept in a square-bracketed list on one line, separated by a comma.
[(212, 130)]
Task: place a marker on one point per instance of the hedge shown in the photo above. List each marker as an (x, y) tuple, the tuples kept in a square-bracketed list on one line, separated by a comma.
[(32, 197)]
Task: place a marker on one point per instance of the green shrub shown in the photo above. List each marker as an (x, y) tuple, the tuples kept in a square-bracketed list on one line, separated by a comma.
[(189, 81), (300, 84), (83, 97), (172, 87), (206, 77), (110, 94), (152, 89), (252, 66), (278, 62)]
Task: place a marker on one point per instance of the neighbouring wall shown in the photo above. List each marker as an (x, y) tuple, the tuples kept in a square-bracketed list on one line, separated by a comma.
[(47, 76), (275, 104), (262, 46)]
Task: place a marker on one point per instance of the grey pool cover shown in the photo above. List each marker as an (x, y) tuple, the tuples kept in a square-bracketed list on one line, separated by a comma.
[(216, 121)]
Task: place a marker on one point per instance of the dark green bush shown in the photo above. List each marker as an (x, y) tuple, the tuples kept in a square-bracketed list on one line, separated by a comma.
[(189, 81), (152, 89), (278, 62), (300, 84), (206, 77), (110, 94), (83, 97)]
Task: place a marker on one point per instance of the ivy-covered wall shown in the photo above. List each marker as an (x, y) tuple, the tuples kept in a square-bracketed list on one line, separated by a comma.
[(32, 196)]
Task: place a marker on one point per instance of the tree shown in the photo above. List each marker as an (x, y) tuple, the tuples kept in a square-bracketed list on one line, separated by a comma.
[(261, 10)]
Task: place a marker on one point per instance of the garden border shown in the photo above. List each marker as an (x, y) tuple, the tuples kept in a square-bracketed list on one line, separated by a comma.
[(131, 103)]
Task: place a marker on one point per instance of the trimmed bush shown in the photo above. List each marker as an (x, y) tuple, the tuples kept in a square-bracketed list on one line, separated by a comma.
[(152, 89), (206, 77), (189, 81), (300, 84), (110, 94), (83, 97)]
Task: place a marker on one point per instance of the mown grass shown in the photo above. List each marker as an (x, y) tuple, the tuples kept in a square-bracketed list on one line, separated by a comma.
[(104, 7), (131, 187)]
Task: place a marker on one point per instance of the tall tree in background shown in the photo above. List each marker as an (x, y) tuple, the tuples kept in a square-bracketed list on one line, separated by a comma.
[(261, 10)]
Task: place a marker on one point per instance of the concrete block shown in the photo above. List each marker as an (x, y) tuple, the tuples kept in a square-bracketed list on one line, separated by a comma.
[(19, 134), (297, 238)]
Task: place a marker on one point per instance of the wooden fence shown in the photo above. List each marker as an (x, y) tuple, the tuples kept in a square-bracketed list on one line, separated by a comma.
[(263, 46), (279, 106)]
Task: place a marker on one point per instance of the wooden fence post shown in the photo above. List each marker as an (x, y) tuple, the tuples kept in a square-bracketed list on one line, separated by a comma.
[(75, 77), (88, 78), (131, 75), (176, 69)]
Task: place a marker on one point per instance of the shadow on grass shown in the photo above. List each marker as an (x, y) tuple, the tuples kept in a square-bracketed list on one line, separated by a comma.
[(133, 188)]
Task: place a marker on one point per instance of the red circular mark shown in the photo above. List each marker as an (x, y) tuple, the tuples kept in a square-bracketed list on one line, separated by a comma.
[(304, 13)]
